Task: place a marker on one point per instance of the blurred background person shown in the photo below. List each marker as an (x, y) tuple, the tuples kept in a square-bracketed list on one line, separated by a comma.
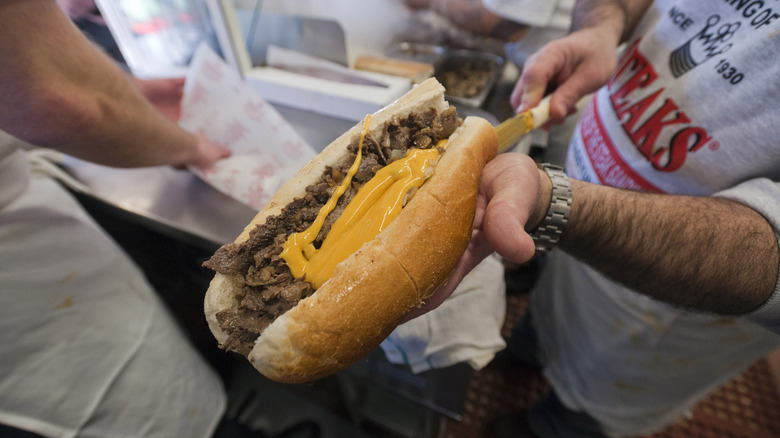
[(523, 25)]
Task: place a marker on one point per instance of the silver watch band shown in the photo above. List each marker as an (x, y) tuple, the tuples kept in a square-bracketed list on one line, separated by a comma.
[(548, 232)]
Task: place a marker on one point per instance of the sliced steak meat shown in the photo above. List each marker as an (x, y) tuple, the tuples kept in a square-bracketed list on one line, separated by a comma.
[(269, 288)]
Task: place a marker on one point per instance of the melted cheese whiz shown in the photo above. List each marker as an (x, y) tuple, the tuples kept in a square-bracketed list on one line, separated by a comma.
[(374, 206)]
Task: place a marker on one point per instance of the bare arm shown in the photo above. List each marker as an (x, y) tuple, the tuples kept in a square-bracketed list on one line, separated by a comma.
[(705, 253), (59, 91), (618, 17)]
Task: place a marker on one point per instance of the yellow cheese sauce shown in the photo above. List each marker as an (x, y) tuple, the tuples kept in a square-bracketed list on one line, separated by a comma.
[(372, 209)]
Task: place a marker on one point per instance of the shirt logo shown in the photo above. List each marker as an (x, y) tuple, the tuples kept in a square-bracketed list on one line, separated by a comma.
[(712, 40)]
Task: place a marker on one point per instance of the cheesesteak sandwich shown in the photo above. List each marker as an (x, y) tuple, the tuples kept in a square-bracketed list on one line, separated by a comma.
[(365, 232)]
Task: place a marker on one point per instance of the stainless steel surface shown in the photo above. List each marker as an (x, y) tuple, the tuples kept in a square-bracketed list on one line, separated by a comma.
[(454, 63), (177, 202), (317, 129), (331, 75)]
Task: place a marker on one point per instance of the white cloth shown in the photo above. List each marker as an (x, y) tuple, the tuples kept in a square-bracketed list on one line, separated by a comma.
[(692, 109), (465, 328), (86, 347)]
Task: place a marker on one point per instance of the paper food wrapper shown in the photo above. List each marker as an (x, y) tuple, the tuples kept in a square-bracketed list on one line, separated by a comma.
[(266, 150)]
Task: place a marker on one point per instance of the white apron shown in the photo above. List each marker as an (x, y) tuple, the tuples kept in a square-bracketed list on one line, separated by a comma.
[(86, 347)]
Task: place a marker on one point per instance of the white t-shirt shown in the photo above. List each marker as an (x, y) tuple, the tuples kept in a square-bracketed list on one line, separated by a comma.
[(86, 346), (692, 109)]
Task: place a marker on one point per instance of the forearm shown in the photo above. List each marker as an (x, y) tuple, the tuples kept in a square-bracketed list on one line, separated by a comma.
[(617, 17), (703, 253), (59, 91)]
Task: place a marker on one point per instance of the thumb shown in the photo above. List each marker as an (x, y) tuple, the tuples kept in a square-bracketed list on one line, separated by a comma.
[(511, 188)]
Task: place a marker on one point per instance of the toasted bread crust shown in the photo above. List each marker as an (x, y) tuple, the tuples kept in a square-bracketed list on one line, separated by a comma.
[(376, 286)]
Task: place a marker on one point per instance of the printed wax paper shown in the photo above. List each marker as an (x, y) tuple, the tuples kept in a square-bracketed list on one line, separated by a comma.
[(266, 150)]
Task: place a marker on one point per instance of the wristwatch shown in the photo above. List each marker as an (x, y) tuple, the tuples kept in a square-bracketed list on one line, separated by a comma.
[(549, 230)]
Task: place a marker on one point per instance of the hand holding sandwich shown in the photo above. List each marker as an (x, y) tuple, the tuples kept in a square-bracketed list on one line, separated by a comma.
[(513, 197)]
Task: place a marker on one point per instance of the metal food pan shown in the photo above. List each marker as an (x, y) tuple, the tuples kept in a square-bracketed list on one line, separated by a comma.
[(469, 75)]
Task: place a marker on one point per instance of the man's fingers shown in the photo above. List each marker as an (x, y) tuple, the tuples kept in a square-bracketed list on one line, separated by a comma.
[(506, 233), (510, 185), (586, 78), (538, 71)]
